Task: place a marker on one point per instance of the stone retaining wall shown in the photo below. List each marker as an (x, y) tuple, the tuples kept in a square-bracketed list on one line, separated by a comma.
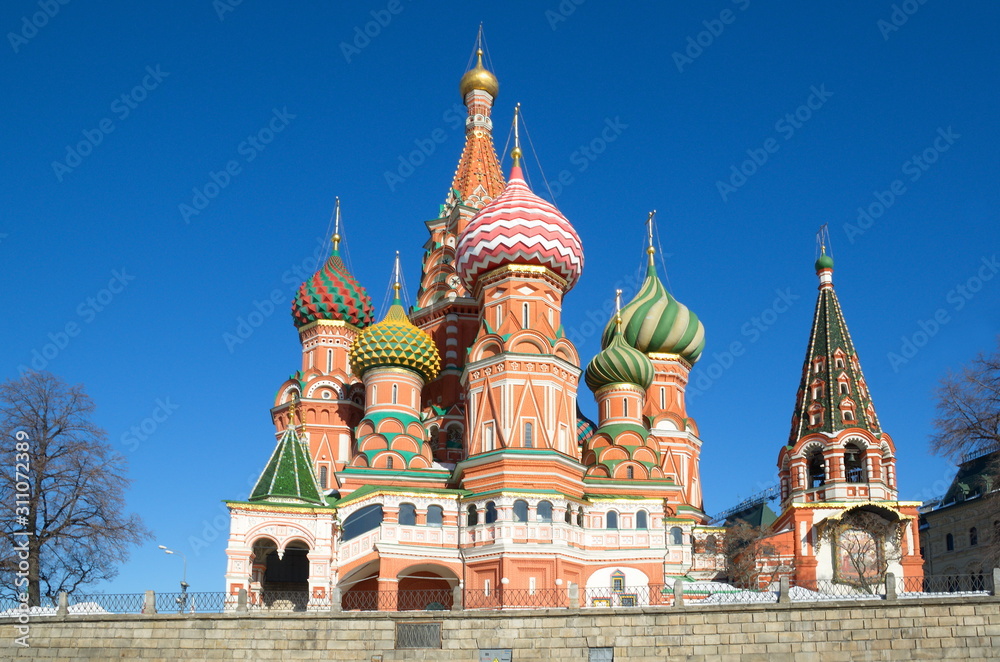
[(924, 629)]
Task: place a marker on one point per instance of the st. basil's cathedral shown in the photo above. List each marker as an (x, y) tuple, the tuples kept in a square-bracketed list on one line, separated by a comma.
[(442, 446)]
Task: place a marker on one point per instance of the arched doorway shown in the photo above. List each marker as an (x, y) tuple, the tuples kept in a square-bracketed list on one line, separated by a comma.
[(425, 586)]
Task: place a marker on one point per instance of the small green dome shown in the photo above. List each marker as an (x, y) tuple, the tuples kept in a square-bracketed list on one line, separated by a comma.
[(619, 363), (655, 322), (395, 341), (824, 262)]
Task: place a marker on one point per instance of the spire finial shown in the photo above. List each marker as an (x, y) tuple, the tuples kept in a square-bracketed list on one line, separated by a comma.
[(618, 309), (649, 236), (395, 280), (824, 264), (336, 226), (292, 413), (516, 152)]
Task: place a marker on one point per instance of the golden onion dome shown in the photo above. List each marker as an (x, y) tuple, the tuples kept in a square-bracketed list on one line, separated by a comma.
[(395, 342), (479, 78)]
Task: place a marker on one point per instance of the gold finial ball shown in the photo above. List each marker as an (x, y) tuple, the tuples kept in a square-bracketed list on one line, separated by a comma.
[(650, 250), (516, 154), (479, 78)]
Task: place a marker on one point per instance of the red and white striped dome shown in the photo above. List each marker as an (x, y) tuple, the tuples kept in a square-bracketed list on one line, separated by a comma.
[(519, 228)]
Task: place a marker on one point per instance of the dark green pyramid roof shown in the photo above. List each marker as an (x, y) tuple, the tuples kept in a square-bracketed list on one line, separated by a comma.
[(829, 340), (288, 476)]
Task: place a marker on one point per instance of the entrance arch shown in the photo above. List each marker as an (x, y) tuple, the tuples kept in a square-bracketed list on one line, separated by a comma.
[(425, 586)]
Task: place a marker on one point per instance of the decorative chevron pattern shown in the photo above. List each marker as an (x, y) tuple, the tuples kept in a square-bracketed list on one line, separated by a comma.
[(288, 476), (395, 341), (654, 321), (585, 428), (519, 228), (619, 363), (333, 294)]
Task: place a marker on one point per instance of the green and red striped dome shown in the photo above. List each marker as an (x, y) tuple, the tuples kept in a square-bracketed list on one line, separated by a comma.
[(332, 293)]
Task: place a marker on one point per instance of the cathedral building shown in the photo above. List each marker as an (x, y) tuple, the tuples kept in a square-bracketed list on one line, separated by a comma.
[(442, 446)]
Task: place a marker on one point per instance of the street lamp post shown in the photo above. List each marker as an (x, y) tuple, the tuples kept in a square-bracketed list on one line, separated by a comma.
[(182, 600)]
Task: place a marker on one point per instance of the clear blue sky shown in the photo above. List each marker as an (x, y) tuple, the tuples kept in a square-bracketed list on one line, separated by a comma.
[(880, 96)]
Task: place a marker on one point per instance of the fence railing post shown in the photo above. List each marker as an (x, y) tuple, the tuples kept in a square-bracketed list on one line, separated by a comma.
[(241, 601), (62, 607), (784, 588), (890, 586), (678, 592), (574, 595), (149, 603), (996, 580), (336, 599), (456, 598)]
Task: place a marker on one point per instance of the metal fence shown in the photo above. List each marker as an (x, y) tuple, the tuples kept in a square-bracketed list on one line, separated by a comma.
[(503, 598)]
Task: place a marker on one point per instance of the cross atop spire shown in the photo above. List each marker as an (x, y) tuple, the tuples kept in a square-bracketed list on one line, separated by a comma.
[(336, 226), (649, 236), (515, 154)]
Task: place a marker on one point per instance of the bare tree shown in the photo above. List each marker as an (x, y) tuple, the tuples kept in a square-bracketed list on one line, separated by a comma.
[(63, 488), (750, 560), (968, 408)]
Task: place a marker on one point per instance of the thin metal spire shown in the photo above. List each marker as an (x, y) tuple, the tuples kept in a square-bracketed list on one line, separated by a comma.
[(649, 236), (395, 278), (336, 225), (618, 309), (516, 152)]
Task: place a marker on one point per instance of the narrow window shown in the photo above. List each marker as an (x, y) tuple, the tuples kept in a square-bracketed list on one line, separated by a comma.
[(854, 466), (618, 582), (551, 321), (844, 389), (848, 415), (322, 477), (612, 521), (524, 315), (973, 537), (579, 516), (531, 585), (395, 393), (663, 398), (624, 406), (329, 360), (607, 409), (435, 515), (630, 472), (543, 512), (568, 516), (388, 462), (472, 515), (839, 363), (499, 315), (817, 470), (529, 441), (676, 536), (486, 587), (491, 512), (520, 510), (489, 437), (641, 520), (407, 514), (949, 542), (374, 394)]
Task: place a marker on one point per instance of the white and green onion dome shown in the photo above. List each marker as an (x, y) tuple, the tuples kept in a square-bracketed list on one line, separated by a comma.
[(655, 322), (395, 342), (619, 363)]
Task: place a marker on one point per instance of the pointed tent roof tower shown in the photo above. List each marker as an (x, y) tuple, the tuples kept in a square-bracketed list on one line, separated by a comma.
[(288, 476), (832, 383), (654, 321), (478, 178)]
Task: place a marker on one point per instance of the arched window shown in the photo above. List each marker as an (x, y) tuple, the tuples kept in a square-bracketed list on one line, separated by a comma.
[(407, 514), (711, 544), (612, 520), (489, 437), (844, 388), (630, 472), (499, 316), (389, 462), (817, 469), (491, 512), (543, 512), (973, 537), (329, 361), (520, 510), (663, 398), (472, 515), (362, 521), (568, 516), (395, 393), (854, 464), (641, 520), (323, 474), (435, 515), (949, 542), (624, 406), (524, 315), (579, 516), (529, 441), (676, 536)]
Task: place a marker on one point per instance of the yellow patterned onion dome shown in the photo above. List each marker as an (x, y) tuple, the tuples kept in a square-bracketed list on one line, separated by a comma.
[(619, 363), (395, 341), (656, 322), (479, 78)]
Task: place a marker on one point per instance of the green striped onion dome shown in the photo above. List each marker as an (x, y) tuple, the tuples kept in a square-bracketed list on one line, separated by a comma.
[(619, 363), (332, 293), (395, 341), (656, 322)]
